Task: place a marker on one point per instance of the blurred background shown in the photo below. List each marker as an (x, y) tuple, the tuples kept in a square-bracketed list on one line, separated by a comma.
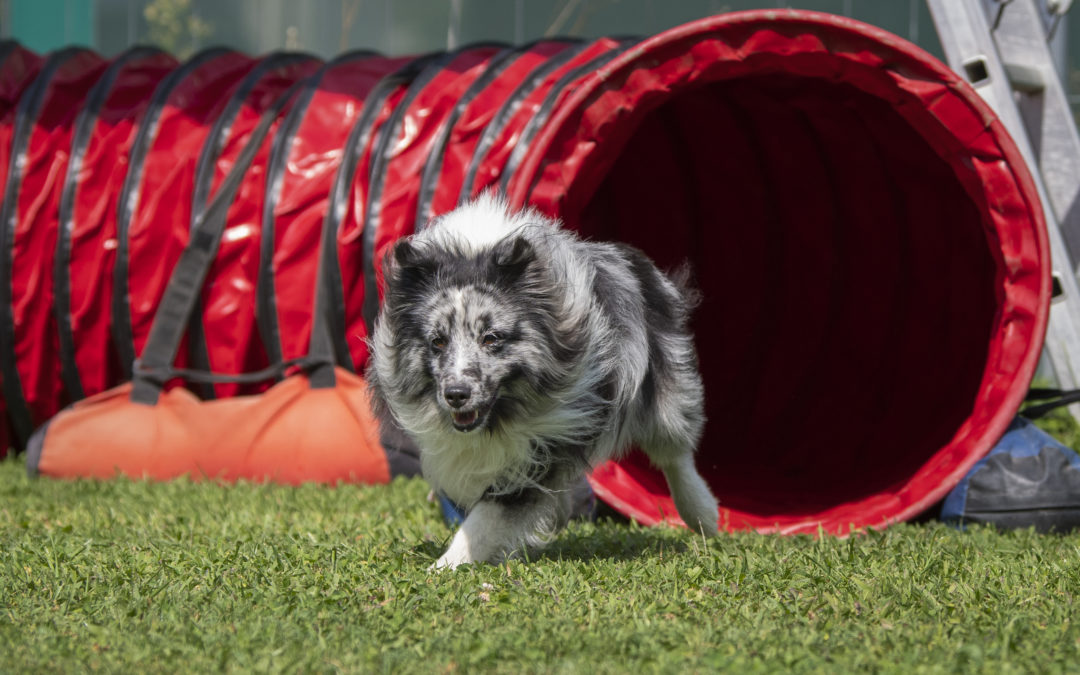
[(330, 27)]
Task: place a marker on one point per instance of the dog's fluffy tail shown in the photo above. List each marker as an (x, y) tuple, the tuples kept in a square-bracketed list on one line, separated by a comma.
[(683, 278)]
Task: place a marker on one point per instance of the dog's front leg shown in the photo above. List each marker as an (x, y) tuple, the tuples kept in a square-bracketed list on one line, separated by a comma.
[(501, 526), (486, 532)]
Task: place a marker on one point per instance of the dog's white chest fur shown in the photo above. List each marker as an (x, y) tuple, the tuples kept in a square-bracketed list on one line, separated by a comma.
[(464, 466)]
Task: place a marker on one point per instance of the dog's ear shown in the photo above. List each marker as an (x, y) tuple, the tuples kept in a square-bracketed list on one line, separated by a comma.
[(412, 258), (407, 255), (513, 254), (407, 268)]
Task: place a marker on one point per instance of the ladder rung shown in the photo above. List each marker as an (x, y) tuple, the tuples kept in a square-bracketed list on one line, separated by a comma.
[(1025, 78)]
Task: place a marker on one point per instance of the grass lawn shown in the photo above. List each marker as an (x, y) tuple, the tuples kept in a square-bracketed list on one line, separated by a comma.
[(135, 577)]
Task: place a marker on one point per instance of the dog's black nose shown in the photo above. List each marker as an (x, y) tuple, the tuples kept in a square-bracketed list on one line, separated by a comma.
[(457, 395)]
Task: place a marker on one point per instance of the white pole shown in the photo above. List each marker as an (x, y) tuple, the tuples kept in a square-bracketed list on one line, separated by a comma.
[(453, 30)]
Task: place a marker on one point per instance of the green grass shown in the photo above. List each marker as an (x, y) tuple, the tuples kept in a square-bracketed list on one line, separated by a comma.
[(141, 577), (1062, 426), (1059, 423)]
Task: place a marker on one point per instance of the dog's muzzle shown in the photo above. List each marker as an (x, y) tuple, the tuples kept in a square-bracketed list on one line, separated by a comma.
[(466, 417)]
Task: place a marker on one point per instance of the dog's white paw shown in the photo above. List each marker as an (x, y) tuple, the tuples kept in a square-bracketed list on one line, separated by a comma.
[(442, 564), (449, 562), (458, 553)]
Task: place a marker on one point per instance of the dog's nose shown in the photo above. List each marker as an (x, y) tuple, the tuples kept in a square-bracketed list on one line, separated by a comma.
[(457, 395)]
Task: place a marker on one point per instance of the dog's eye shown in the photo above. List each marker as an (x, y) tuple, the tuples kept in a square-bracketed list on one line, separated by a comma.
[(490, 339), (438, 343)]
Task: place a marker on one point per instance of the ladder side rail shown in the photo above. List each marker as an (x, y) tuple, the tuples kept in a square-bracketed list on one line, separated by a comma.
[(970, 50), (1021, 42)]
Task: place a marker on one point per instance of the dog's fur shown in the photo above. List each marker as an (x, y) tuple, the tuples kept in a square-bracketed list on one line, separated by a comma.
[(518, 356)]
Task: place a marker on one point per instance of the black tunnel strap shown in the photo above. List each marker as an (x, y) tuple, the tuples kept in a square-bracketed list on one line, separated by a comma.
[(1055, 398), (331, 294), (359, 137), (185, 284), (160, 376), (219, 133), (265, 299), (1043, 393), (321, 344)]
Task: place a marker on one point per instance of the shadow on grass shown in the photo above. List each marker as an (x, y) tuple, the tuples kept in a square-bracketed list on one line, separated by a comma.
[(428, 550), (614, 541)]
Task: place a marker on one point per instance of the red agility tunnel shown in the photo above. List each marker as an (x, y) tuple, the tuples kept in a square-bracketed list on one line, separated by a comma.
[(868, 241)]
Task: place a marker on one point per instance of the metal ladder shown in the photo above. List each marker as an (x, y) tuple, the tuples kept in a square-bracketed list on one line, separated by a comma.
[(1002, 48)]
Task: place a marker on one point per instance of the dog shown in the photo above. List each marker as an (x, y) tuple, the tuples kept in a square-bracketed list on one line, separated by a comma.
[(518, 356)]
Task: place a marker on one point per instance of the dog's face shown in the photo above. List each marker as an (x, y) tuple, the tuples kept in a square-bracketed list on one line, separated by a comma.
[(464, 334), (471, 345)]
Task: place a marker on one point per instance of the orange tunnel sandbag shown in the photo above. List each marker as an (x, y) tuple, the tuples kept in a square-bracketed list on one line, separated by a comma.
[(869, 243), (291, 434)]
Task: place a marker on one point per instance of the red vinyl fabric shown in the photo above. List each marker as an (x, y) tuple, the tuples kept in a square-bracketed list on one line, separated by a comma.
[(489, 158), (229, 299), (869, 243), (18, 67), (448, 163), (86, 249), (417, 126), (158, 191), (309, 151), (38, 161)]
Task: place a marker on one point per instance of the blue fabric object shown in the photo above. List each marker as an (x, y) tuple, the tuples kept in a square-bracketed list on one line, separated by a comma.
[(451, 512), (1028, 479)]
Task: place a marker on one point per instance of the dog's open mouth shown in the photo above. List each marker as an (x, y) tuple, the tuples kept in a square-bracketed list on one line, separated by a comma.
[(467, 420)]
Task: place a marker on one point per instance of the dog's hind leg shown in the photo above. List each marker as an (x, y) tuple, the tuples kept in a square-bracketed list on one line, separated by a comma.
[(669, 443), (693, 499), (668, 417)]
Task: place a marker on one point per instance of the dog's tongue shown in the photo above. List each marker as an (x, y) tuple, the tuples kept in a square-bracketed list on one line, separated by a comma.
[(465, 418)]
